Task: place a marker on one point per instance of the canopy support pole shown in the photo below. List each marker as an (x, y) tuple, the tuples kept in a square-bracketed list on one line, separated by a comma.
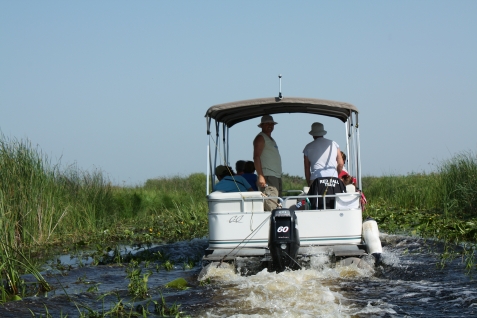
[(208, 166), (227, 151), (358, 154), (348, 135), (217, 144)]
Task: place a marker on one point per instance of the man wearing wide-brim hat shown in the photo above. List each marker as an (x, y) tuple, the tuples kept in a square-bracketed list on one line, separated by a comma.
[(322, 157), (266, 158)]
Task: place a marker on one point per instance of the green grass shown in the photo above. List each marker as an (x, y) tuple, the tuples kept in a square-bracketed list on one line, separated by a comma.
[(440, 205), (292, 183)]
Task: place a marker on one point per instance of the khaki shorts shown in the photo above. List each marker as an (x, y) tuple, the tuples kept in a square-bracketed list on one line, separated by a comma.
[(273, 189)]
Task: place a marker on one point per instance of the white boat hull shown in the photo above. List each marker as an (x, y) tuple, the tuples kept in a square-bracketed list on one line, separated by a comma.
[(237, 219)]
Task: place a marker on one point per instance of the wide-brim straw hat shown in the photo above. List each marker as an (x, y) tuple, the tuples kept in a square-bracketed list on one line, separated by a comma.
[(267, 119), (317, 130)]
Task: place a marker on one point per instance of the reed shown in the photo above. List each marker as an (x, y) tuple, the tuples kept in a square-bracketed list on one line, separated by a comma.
[(39, 201), (440, 205), (459, 184), (451, 191), (40, 204)]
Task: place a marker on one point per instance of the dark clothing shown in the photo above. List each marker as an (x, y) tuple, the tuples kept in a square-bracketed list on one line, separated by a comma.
[(252, 180), (320, 186), (232, 184)]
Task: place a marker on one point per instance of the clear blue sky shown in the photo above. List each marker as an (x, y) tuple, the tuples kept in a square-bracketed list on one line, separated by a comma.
[(123, 86)]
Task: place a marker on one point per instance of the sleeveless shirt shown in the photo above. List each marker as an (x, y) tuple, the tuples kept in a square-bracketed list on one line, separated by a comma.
[(270, 158)]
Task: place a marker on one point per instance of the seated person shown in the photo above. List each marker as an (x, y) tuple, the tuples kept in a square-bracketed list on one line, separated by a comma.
[(343, 170), (239, 167), (249, 175), (348, 182), (345, 173), (229, 181)]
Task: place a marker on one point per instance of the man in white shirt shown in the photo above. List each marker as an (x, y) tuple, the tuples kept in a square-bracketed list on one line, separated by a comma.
[(322, 157)]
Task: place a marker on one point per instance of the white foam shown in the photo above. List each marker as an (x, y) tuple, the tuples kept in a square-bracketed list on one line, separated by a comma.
[(301, 293)]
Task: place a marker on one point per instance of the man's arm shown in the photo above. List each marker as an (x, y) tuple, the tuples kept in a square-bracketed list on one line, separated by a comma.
[(258, 146), (306, 164), (340, 162)]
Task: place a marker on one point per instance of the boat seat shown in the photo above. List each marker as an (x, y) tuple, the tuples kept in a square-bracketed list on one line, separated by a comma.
[(250, 201), (346, 201)]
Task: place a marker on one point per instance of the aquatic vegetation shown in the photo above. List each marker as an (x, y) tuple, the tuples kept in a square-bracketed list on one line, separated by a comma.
[(189, 264), (179, 283), (161, 308), (12, 286), (137, 286), (440, 205)]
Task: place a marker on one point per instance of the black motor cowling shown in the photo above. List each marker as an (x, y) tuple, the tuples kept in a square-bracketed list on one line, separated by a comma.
[(283, 239)]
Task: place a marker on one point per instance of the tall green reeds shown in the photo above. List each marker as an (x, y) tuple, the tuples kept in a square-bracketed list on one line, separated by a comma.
[(39, 203), (440, 205), (409, 192), (451, 190), (37, 199), (459, 185)]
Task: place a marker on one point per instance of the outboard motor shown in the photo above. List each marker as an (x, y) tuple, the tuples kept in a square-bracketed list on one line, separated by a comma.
[(283, 239)]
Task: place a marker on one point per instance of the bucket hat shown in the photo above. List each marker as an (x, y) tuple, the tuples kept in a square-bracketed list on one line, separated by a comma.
[(317, 130), (266, 119)]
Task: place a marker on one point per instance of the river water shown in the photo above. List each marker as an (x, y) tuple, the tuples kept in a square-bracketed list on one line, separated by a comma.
[(408, 283)]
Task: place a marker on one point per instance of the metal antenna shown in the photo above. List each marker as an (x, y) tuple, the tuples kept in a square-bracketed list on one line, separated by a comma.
[(280, 86)]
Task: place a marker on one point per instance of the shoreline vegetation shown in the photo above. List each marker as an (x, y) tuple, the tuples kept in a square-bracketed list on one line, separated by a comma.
[(44, 206)]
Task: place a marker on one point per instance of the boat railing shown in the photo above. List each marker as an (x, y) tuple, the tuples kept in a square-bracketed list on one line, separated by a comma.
[(224, 202), (220, 202), (344, 201)]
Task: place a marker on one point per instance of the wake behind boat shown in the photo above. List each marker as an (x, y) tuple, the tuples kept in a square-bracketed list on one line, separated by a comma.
[(239, 227)]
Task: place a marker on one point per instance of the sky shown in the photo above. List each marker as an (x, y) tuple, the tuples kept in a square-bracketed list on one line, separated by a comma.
[(123, 86)]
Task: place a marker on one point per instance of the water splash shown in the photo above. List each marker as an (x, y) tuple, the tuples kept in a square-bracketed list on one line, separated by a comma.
[(302, 293)]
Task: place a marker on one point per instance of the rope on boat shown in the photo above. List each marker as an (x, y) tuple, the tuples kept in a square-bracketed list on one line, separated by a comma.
[(226, 255), (292, 259)]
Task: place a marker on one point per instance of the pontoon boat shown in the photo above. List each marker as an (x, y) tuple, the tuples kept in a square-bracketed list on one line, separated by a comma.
[(238, 224)]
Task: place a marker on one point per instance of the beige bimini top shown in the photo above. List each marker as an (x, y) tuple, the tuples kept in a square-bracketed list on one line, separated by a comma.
[(236, 112)]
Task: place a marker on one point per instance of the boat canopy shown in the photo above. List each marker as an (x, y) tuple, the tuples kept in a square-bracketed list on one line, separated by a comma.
[(236, 112)]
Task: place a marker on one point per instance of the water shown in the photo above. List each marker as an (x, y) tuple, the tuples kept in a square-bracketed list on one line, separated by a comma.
[(408, 284)]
